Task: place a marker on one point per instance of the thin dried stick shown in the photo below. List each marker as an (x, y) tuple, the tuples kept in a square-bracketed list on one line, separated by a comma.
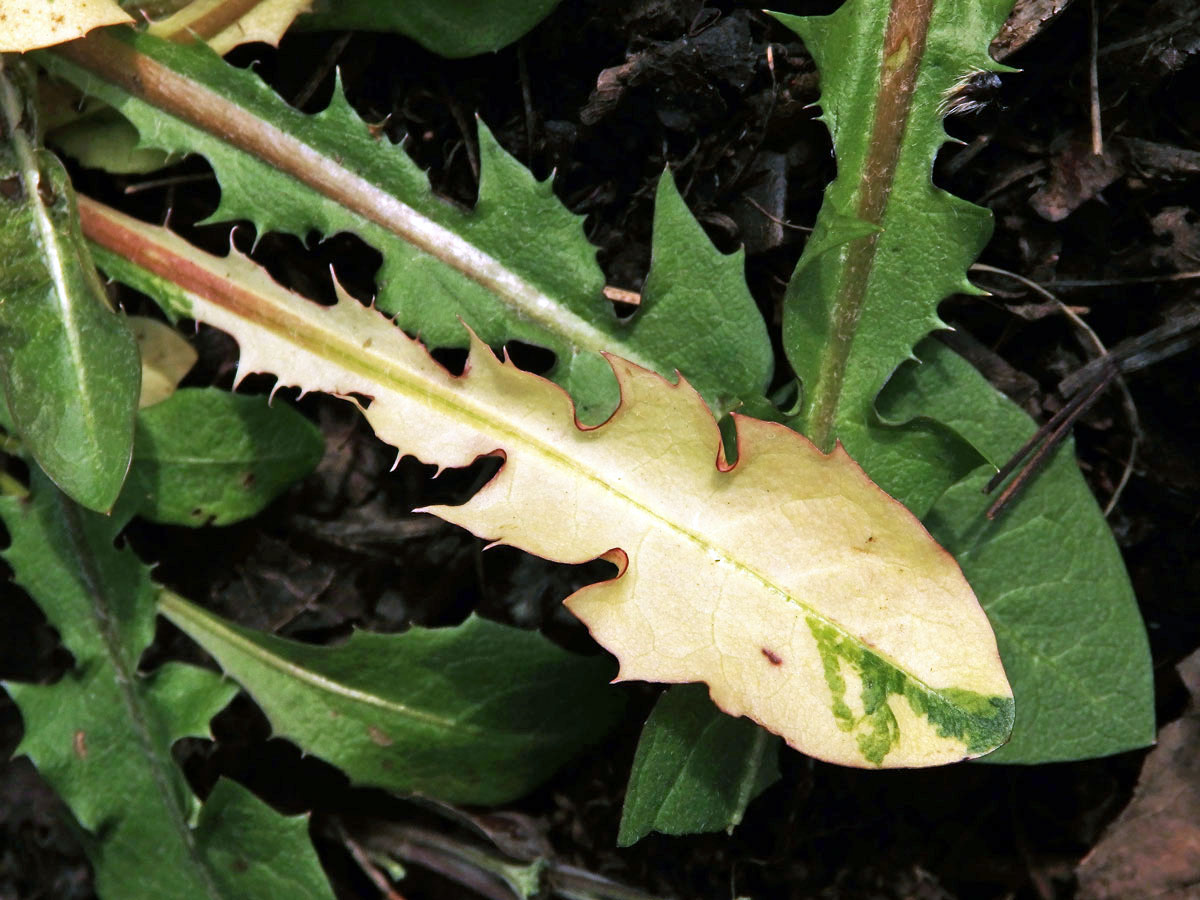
[(369, 868), (1107, 369), (464, 128), (1068, 414), (318, 74), (775, 219), (1071, 283), (1094, 83), (526, 101), (169, 181), (1049, 437)]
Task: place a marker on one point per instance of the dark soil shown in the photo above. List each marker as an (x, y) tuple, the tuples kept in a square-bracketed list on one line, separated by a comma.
[(691, 88)]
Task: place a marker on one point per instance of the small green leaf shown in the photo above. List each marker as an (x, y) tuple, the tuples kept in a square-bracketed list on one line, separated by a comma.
[(69, 365), (1047, 572), (695, 768), (696, 313), (253, 851), (205, 456), (102, 735), (453, 28), (478, 713)]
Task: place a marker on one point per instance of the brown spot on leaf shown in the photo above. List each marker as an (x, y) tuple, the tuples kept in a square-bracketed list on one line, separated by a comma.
[(772, 657), (239, 866), (80, 744), (378, 737)]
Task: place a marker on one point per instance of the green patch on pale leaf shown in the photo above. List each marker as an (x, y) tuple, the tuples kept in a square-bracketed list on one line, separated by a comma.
[(979, 722)]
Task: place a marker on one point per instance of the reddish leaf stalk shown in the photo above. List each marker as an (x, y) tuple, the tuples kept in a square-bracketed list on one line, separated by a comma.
[(178, 269), (903, 50)]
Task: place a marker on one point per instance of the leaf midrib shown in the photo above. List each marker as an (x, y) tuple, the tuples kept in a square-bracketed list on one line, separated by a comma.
[(92, 584), (906, 29)]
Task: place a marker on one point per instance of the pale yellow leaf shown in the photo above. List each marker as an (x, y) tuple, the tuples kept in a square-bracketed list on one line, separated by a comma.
[(224, 24), (805, 597), (29, 24), (166, 358)]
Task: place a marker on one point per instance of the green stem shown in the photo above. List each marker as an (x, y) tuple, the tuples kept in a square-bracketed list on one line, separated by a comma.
[(11, 487)]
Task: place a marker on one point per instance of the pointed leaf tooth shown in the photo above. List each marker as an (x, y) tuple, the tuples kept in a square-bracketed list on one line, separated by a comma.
[(187, 697), (244, 368)]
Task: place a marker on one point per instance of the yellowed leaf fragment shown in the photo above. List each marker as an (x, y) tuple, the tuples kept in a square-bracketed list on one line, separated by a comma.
[(166, 358), (224, 24), (29, 24), (804, 596)]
